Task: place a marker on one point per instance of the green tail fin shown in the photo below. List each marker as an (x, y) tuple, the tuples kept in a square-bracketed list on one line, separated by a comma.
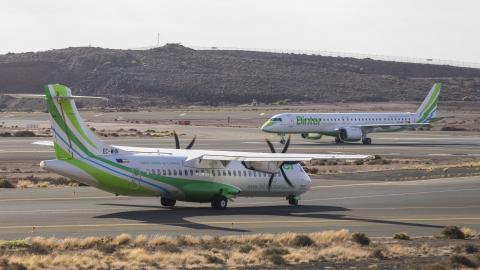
[(428, 109), (71, 136)]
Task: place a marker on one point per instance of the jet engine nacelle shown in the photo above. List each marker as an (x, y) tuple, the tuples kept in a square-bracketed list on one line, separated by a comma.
[(350, 134), (311, 136)]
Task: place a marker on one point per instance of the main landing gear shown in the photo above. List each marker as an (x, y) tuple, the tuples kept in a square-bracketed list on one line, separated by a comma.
[(219, 202), (338, 140), (168, 202), (292, 200), (282, 140), (367, 141)]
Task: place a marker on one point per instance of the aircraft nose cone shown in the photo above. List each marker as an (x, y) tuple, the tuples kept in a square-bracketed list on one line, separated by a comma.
[(267, 125), (42, 164)]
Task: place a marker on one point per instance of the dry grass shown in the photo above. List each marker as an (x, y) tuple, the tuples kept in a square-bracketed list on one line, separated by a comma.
[(469, 232), (143, 252)]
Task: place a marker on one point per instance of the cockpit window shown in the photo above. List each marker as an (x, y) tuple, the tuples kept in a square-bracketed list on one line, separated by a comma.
[(277, 119)]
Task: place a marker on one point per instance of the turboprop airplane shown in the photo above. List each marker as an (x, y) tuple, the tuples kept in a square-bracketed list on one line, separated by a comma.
[(351, 127), (172, 174)]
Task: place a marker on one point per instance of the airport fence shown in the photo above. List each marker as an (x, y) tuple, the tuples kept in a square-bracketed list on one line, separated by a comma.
[(430, 61)]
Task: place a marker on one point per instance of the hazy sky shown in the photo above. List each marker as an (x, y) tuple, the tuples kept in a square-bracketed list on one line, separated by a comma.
[(416, 28)]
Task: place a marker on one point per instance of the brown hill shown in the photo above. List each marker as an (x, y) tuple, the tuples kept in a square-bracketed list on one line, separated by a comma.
[(173, 75)]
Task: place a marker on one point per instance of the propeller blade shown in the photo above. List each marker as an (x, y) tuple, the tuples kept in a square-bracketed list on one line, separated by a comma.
[(270, 145), (270, 181), (177, 141), (285, 176), (189, 146), (287, 144)]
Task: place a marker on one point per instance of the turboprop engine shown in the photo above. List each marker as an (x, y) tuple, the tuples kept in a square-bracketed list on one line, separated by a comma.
[(311, 136), (350, 134)]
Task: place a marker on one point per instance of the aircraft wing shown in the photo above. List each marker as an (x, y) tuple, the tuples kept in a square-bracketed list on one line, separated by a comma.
[(230, 155), (265, 157), (377, 127)]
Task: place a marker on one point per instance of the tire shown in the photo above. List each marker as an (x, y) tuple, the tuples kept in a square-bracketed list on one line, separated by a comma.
[(282, 141), (293, 201), (367, 141), (338, 140), (167, 202), (219, 202)]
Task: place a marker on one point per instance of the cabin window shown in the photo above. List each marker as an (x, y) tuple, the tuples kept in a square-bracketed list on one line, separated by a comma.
[(186, 173), (234, 173), (244, 173), (213, 172), (164, 172), (254, 174), (191, 172), (250, 173), (224, 173), (175, 172), (169, 172), (229, 173)]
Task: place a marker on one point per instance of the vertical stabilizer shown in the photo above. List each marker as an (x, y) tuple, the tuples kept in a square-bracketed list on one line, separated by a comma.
[(71, 137), (428, 110)]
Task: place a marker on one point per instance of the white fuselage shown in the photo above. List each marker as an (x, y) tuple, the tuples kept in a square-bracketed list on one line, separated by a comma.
[(330, 123), (151, 166)]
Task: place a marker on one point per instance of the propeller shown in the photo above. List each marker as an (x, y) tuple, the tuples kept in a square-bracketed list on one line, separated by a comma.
[(284, 150), (177, 141)]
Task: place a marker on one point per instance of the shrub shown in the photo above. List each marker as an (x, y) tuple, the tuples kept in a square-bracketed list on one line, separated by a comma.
[(359, 162), (453, 232), (401, 236), (5, 134), (467, 248), (361, 238), (377, 253), (15, 244), (302, 241), (6, 184), (170, 248), (460, 260), (245, 248), (450, 128), (274, 255), (213, 259), (24, 133)]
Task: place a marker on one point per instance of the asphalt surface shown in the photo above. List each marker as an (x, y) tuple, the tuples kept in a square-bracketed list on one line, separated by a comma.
[(376, 208), (439, 145)]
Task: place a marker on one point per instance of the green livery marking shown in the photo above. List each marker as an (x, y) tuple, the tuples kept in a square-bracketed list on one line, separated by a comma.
[(301, 120)]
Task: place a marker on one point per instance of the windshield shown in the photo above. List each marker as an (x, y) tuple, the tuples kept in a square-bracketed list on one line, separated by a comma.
[(276, 119)]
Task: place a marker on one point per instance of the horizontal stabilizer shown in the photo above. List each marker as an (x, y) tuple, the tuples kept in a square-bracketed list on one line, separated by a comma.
[(37, 96)]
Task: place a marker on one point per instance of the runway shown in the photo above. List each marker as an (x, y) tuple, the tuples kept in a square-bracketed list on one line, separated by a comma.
[(376, 208), (439, 145)]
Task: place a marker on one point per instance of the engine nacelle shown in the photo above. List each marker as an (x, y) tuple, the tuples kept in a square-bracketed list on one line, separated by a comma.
[(350, 134), (311, 136)]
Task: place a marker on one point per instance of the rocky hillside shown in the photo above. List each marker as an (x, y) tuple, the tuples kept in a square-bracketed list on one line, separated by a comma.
[(175, 75)]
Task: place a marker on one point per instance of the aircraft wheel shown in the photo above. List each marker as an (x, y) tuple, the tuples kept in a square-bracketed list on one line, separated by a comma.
[(219, 202), (167, 202), (282, 140), (367, 141), (337, 140), (293, 201)]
